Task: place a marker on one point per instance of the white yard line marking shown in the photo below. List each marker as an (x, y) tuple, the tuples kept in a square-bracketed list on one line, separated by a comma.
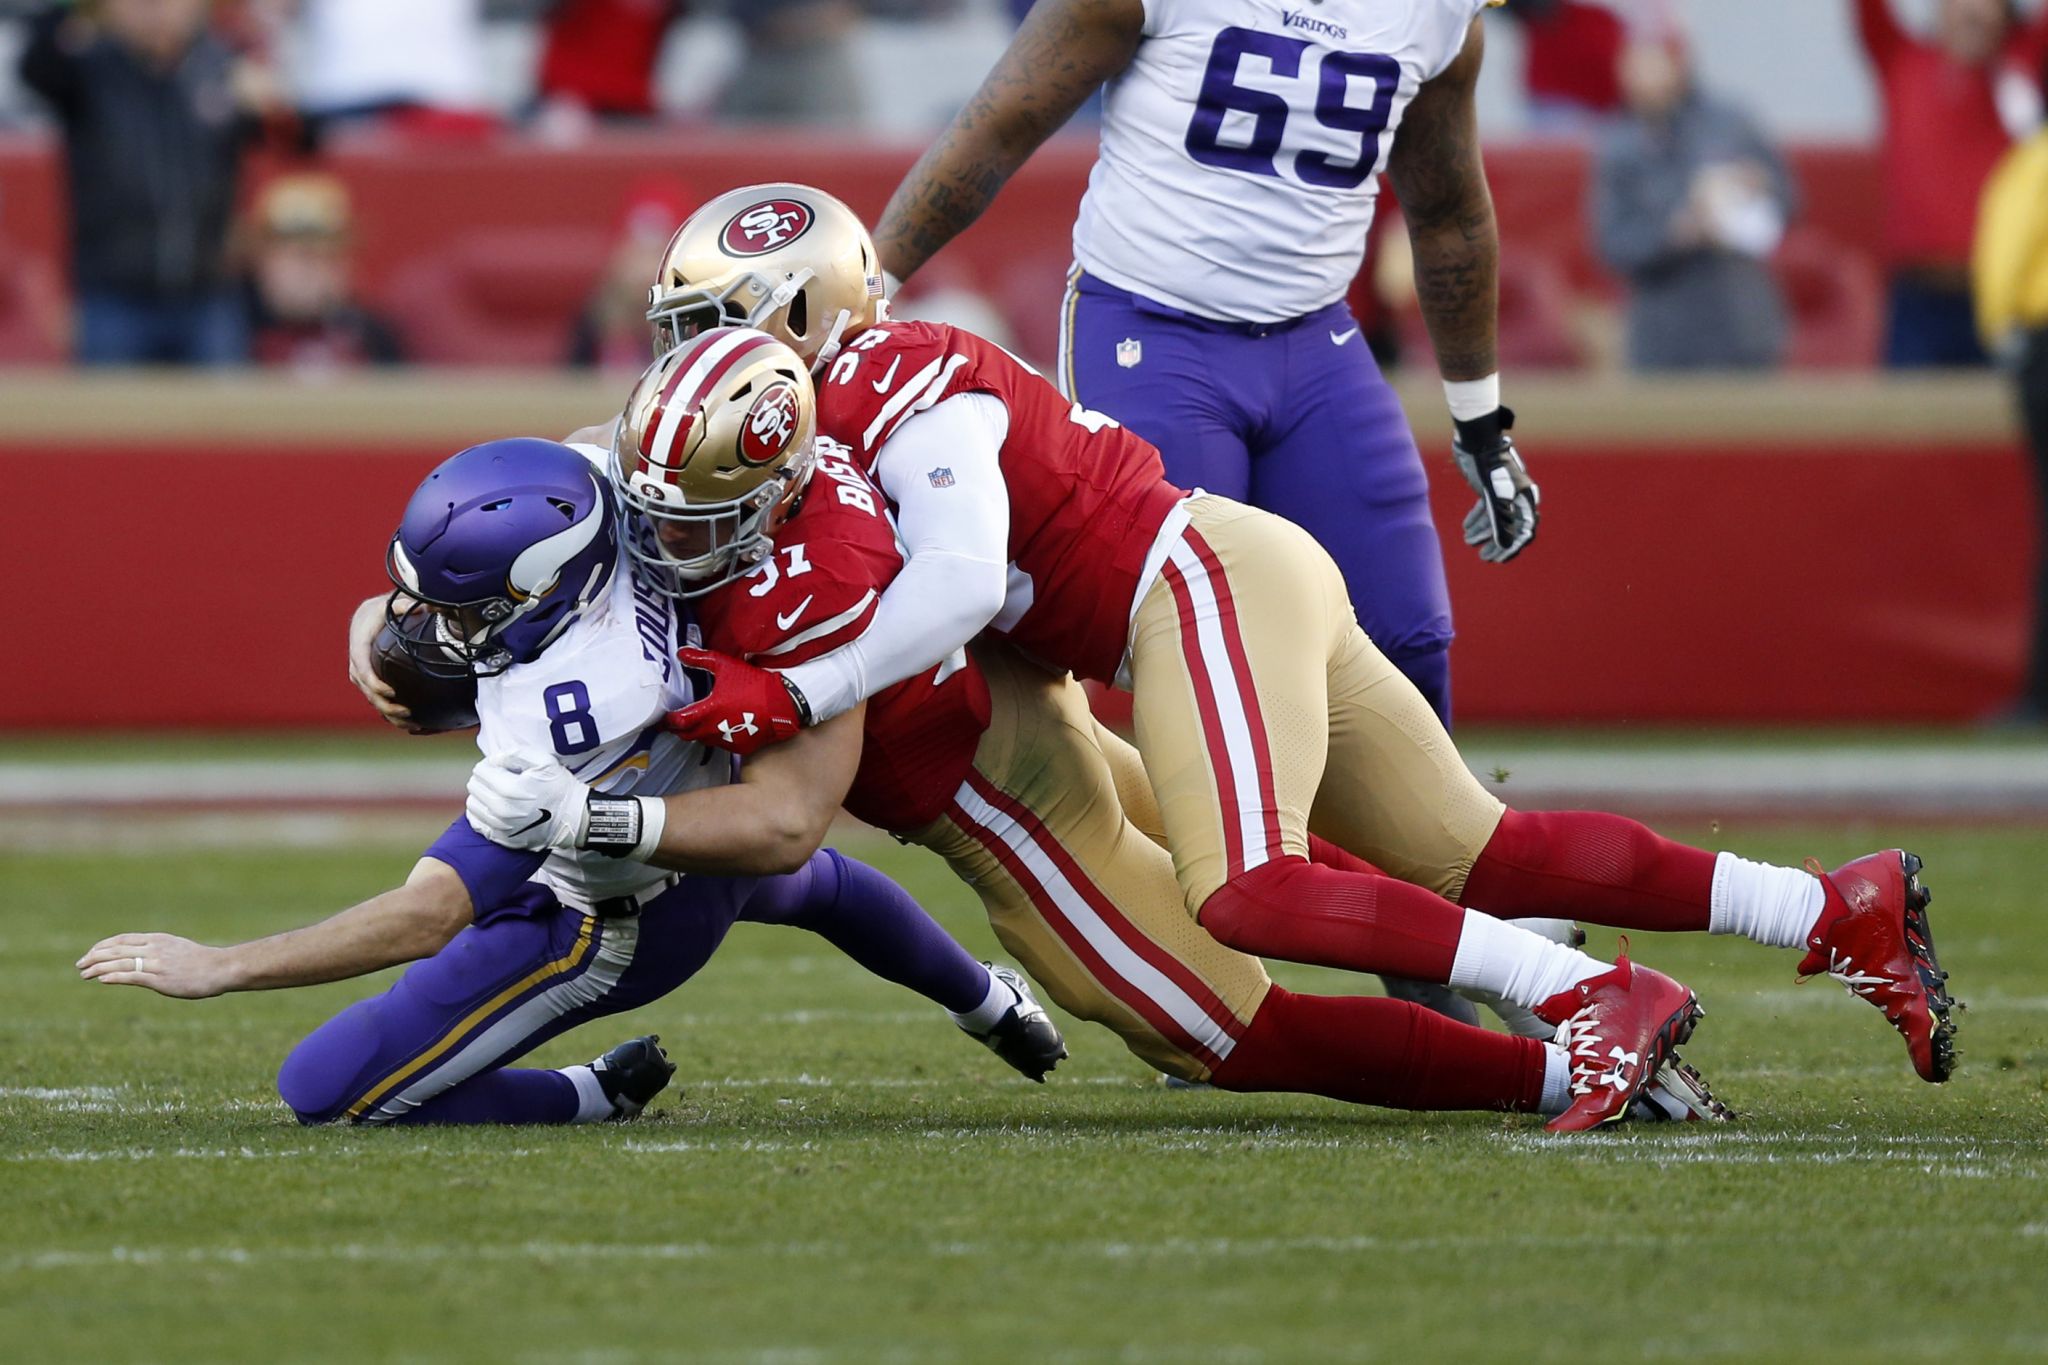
[(119, 1100), (2007, 779), (806, 1081), (1958, 1158), (260, 781), (101, 1099), (41, 830), (176, 1154), (1721, 1135), (1177, 1248)]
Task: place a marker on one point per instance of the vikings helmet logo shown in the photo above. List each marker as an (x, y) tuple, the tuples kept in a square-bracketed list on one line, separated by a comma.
[(762, 228), (770, 424)]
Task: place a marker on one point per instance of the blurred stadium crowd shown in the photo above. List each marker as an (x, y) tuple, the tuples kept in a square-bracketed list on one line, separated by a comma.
[(207, 228)]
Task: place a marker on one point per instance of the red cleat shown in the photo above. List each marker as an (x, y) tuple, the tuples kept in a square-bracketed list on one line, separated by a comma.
[(1872, 937), (1617, 1030)]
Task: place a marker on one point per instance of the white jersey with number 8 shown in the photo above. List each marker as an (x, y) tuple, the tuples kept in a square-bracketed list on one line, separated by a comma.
[(594, 701), (1240, 148)]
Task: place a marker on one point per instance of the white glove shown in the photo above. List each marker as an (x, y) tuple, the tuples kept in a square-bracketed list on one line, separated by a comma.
[(526, 802)]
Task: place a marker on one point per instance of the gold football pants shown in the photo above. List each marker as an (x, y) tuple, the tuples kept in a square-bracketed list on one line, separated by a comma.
[(1084, 899), (1262, 712)]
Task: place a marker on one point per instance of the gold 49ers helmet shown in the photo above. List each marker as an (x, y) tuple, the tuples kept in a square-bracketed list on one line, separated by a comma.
[(787, 259), (717, 436)]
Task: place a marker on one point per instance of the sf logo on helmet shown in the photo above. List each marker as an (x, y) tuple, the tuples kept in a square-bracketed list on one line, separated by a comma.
[(770, 424), (764, 227)]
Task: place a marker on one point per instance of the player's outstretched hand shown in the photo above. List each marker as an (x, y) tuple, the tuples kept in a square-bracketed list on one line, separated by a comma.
[(745, 708), (1503, 522), (362, 663), (525, 802), (165, 963)]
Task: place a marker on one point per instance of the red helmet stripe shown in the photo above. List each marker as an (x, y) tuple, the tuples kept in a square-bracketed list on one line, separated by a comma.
[(724, 365), (668, 393), (685, 363)]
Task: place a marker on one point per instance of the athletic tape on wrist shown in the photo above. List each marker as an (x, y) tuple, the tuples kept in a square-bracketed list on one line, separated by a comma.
[(1471, 399), (653, 820)]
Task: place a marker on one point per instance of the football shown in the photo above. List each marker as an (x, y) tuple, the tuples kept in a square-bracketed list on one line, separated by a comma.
[(437, 702)]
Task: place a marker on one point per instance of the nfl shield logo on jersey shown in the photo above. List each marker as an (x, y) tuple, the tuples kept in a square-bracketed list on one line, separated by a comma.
[(942, 477), (1129, 352)]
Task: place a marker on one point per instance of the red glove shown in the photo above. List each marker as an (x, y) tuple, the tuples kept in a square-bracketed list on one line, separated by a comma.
[(747, 708)]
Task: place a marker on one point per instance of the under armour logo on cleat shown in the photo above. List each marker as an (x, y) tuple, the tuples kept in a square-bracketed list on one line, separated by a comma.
[(1624, 1062)]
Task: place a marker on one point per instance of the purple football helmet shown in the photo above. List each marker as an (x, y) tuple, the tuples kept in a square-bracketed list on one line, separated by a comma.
[(505, 543)]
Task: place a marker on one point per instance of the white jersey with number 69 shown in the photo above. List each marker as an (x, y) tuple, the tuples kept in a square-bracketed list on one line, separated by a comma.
[(1240, 148)]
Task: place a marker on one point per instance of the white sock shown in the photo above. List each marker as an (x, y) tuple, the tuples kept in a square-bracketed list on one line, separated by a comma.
[(992, 1008), (1525, 968), (1775, 906), (592, 1106), (1557, 1082)]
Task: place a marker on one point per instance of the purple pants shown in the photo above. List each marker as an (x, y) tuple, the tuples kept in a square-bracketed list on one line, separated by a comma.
[(434, 1048), (1292, 417)]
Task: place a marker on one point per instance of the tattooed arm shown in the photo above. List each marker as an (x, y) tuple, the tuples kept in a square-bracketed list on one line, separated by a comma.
[(1442, 186), (1062, 52), (1438, 177)]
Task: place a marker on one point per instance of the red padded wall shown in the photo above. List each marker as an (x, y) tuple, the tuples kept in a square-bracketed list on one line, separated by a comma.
[(188, 586)]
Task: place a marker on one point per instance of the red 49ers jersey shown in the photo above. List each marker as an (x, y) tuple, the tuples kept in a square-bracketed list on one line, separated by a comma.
[(1087, 498), (816, 592)]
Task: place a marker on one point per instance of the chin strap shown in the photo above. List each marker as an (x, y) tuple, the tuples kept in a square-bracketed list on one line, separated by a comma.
[(832, 343)]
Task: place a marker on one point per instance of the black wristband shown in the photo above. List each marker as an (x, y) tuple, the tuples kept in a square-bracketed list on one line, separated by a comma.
[(796, 696), (1485, 434), (612, 825)]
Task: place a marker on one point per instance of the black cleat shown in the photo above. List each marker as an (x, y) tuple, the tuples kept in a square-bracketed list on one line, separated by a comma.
[(1025, 1036), (632, 1074)]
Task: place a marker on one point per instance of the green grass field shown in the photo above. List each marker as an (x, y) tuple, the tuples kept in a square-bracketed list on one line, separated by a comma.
[(844, 1178)]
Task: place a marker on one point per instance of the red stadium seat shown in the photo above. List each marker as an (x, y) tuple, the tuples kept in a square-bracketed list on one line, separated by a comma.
[(496, 296), (34, 322), (1834, 297), (1537, 304), (1028, 291)]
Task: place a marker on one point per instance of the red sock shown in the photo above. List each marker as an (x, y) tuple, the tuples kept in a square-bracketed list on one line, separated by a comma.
[(1323, 853), (1588, 865), (1387, 1052), (1300, 912)]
